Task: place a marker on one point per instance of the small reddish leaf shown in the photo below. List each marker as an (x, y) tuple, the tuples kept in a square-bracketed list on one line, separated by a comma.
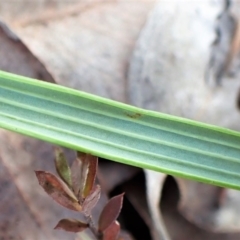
[(83, 157), (91, 200), (84, 170), (112, 232), (110, 212), (76, 176), (91, 174), (88, 173), (62, 167), (58, 190), (71, 225)]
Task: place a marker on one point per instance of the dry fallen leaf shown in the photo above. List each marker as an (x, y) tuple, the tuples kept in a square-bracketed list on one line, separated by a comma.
[(198, 202), (17, 58), (212, 208), (154, 185), (180, 228), (94, 52)]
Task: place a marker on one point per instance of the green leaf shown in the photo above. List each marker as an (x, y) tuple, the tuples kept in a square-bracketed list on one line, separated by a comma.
[(120, 132), (62, 167)]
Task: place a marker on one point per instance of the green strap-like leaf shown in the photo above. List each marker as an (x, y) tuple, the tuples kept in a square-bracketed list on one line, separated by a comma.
[(120, 132)]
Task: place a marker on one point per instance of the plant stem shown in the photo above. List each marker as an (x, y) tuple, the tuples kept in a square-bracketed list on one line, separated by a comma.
[(93, 228)]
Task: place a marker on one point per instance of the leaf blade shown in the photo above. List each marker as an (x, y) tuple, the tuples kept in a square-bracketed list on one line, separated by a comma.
[(110, 212), (112, 232), (88, 173), (120, 132), (91, 200), (57, 189), (71, 225), (76, 176), (62, 167)]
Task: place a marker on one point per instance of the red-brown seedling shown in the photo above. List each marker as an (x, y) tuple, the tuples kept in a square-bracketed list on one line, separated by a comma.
[(75, 190)]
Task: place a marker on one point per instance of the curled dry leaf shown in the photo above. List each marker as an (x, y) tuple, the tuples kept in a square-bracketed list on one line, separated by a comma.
[(62, 167), (71, 225), (58, 190), (91, 200), (112, 232), (110, 212)]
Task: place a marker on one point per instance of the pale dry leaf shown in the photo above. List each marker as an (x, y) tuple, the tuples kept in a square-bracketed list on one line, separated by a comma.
[(153, 84), (37, 11), (154, 185), (94, 52), (209, 207), (226, 217), (177, 225), (198, 202)]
